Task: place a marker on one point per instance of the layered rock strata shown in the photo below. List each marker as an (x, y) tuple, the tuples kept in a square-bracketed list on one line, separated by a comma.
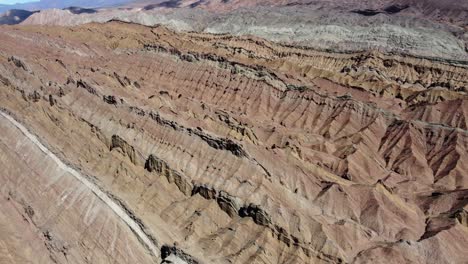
[(230, 149)]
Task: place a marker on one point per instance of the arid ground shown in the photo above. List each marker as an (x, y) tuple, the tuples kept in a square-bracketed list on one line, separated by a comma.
[(236, 132)]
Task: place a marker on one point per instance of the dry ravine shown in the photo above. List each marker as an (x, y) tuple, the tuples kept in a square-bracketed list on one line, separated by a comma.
[(125, 143)]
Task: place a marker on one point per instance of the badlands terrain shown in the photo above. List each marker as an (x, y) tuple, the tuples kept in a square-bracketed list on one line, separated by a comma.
[(426, 28), (235, 132)]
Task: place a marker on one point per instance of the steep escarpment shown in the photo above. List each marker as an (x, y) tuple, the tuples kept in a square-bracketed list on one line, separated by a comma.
[(239, 150)]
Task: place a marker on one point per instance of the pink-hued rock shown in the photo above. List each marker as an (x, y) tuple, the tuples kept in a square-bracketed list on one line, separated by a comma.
[(227, 149)]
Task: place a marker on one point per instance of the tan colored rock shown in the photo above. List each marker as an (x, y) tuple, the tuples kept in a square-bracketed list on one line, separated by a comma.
[(268, 155)]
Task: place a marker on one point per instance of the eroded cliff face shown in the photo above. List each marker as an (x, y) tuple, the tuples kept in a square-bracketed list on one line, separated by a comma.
[(227, 149), (427, 28)]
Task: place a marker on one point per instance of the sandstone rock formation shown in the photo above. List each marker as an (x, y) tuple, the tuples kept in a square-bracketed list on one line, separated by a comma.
[(123, 143), (418, 27)]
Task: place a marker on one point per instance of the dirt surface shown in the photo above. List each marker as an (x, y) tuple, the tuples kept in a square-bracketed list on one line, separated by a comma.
[(226, 149), (420, 28), (436, 29)]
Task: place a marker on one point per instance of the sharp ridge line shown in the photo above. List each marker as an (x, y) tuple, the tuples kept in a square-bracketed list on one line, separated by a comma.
[(118, 210)]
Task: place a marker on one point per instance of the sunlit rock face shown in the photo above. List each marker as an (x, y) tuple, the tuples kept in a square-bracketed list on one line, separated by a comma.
[(421, 28), (123, 143)]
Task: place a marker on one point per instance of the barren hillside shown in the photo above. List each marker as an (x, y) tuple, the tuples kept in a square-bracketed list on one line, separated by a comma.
[(432, 29), (123, 143)]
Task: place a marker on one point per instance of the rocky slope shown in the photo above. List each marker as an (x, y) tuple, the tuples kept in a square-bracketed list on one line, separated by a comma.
[(227, 149), (451, 11), (422, 28)]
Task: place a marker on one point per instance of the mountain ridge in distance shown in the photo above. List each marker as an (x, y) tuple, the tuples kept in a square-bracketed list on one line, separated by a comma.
[(48, 4)]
